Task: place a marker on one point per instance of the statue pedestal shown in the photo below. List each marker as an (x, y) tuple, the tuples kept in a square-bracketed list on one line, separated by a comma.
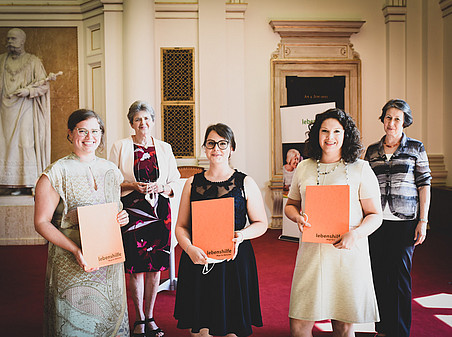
[(16, 221)]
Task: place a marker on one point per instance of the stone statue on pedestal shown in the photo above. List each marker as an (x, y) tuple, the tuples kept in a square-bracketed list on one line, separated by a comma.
[(24, 115)]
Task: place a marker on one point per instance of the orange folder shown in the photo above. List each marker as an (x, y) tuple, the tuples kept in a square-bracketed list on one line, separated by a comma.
[(213, 227), (327, 208), (100, 235)]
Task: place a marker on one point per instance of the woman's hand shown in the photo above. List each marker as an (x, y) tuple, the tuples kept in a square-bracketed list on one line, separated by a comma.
[(293, 212), (122, 218), (196, 254), (420, 233), (82, 262), (346, 241), (155, 188), (141, 187), (238, 239), (302, 221), (160, 188)]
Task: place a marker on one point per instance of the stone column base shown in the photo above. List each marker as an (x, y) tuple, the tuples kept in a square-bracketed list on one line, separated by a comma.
[(16, 221)]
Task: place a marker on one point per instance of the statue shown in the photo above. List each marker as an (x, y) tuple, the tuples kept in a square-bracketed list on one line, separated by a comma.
[(24, 115)]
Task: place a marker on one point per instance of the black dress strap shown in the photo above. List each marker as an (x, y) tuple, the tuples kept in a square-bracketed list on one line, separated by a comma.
[(240, 181)]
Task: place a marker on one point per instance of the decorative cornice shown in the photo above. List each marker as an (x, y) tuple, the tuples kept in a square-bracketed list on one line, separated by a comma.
[(52, 7), (298, 28), (446, 7), (315, 39), (394, 13), (56, 10), (180, 10)]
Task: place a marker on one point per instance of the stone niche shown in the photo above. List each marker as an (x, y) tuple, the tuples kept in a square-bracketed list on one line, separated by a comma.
[(310, 49), (57, 47)]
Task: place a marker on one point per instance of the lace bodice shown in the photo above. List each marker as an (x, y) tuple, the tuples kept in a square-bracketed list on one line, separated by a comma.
[(203, 189)]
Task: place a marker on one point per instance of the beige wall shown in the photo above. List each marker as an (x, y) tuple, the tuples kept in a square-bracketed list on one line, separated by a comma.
[(423, 85), (233, 66)]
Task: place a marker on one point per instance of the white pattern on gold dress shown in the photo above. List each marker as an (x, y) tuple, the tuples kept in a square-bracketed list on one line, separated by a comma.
[(78, 303)]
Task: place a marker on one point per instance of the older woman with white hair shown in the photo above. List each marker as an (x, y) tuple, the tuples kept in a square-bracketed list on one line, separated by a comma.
[(293, 157), (150, 179)]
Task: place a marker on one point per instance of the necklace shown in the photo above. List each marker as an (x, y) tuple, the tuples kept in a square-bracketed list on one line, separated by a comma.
[(20, 65), (391, 146), (331, 171)]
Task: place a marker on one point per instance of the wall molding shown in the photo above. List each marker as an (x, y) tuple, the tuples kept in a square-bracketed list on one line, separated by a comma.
[(309, 49)]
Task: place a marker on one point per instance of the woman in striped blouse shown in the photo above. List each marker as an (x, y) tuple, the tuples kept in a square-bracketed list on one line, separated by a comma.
[(401, 166)]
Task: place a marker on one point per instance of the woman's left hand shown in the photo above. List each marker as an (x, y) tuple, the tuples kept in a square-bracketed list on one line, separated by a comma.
[(122, 218), (346, 241), (420, 233), (156, 188), (238, 239)]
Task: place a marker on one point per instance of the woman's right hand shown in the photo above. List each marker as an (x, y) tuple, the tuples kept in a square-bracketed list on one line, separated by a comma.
[(196, 254), (302, 221), (141, 187), (82, 262)]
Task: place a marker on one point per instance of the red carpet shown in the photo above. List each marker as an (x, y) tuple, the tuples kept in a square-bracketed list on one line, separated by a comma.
[(22, 289)]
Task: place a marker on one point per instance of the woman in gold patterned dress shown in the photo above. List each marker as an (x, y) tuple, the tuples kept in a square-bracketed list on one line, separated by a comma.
[(80, 301)]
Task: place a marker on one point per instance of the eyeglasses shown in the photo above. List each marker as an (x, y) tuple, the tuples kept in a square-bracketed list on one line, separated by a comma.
[(222, 144), (84, 132)]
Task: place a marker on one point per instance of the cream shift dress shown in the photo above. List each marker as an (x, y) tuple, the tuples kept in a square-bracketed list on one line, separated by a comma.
[(331, 283)]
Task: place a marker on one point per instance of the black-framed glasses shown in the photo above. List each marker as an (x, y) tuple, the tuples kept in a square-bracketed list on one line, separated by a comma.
[(222, 144)]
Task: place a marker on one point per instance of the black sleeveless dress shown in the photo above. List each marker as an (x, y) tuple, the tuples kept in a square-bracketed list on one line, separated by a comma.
[(226, 299)]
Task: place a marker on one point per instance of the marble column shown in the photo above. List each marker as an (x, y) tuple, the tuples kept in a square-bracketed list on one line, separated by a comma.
[(139, 54), (395, 19)]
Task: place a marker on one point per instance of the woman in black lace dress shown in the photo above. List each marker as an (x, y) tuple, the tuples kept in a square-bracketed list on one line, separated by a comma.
[(224, 301)]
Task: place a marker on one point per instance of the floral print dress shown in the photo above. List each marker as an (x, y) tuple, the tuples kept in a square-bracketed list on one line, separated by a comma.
[(147, 237)]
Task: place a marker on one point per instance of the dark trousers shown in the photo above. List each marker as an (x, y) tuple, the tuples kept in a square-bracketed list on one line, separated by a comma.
[(391, 252)]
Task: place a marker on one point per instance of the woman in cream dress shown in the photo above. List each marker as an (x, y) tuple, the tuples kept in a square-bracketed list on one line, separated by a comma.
[(334, 281)]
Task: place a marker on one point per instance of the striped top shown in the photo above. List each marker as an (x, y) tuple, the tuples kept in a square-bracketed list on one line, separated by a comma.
[(400, 176)]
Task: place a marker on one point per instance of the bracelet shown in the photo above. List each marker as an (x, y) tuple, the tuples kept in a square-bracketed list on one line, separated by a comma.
[(423, 220), (186, 249)]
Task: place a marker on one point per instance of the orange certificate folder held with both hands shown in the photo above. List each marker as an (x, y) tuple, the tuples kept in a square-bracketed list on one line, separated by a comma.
[(327, 208), (100, 234), (213, 227)]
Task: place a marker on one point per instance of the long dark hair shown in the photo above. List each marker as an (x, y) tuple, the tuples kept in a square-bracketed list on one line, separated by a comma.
[(82, 115), (351, 148)]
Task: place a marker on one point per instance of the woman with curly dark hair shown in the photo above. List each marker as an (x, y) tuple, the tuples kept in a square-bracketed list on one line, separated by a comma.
[(334, 281)]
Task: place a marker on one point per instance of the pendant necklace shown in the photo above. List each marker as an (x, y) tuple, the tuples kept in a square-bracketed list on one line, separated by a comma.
[(331, 171)]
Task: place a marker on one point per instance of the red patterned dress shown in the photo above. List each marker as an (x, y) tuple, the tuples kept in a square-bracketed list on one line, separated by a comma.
[(147, 237)]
